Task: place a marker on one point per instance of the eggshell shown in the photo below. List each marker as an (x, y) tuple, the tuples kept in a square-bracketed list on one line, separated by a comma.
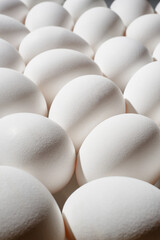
[(156, 53), (48, 14), (113, 208), (85, 102), (157, 9), (52, 69), (19, 94), (12, 30), (32, 3), (28, 210), (146, 29), (98, 25), (9, 57), (129, 10), (13, 8), (38, 145), (123, 145), (51, 37), (120, 57), (143, 91), (78, 7)]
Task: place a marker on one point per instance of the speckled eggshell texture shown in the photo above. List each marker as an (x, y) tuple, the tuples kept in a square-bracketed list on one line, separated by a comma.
[(143, 91), (52, 69), (48, 14), (156, 53), (85, 102), (19, 94), (98, 25), (78, 7), (13, 8), (129, 10), (113, 208), (32, 3), (28, 210), (38, 145), (52, 37), (123, 145), (146, 29), (9, 57), (12, 30), (120, 57)]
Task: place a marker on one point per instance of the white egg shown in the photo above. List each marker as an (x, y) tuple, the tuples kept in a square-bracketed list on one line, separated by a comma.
[(129, 10), (143, 91), (12, 30), (98, 25), (52, 69), (28, 210), (32, 3), (52, 37), (13, 8), (123, 145), (78, 7), (157, 9), (113, 208), (38, 145), (9, 57), (156, 53), (120, 57), (85, 102), (48, 14), (19, 94), (146, 29)]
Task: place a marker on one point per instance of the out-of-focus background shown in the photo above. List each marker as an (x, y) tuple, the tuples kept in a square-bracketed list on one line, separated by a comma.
[(153, 2)]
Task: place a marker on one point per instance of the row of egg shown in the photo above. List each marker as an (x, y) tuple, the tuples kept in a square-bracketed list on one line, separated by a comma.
[(62, 81), (106, 208)]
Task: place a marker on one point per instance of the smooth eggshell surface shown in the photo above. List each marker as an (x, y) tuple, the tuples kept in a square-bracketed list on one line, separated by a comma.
[(9, 57), (28, 210), (13, 8), (98, 25), (143, 91), (85, 102), (19, 94), (52, 37), (52, 69), (123, 145), (12, 30), (120, 57), (156, 53), (48, 14), (38, 145), (113, 208), (129, 10), (146, 29), (78, 7), (32, 3)]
